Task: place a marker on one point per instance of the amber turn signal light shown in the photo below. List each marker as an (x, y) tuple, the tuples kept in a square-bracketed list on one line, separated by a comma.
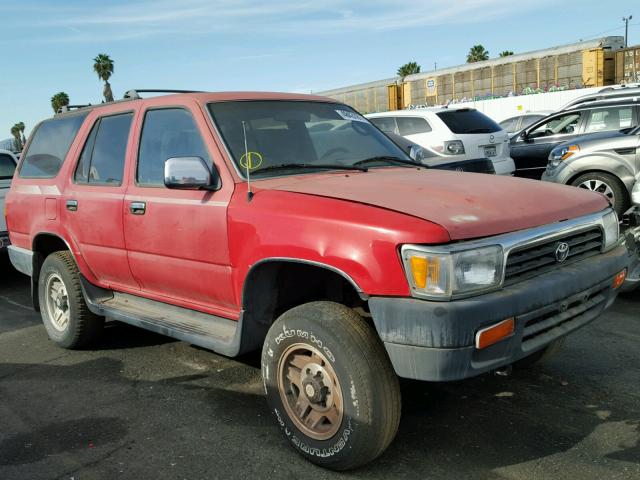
[(619, 279), (495, 333)]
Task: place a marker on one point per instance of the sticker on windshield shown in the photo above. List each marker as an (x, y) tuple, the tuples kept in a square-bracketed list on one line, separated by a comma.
[(353, 116)]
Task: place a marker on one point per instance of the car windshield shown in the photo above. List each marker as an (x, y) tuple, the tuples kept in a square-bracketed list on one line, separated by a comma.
[(300, 134)]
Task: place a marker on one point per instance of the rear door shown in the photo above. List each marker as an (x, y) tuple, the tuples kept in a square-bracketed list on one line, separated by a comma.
[(386, 124), (92, 202), (7, 167), (177, 239), (530, 150), (416, 129)]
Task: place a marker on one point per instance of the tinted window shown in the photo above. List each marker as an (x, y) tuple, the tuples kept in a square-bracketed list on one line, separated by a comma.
[(608, 119), (412, 125), (7, 166), (286, 133), (468, 121), (49, 146), (102, 159), (167, 133), (562, 125), (386, 124)]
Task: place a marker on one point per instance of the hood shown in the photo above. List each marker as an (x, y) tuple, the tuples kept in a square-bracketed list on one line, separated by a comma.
[(596, 137), (603, 140), (467, 205)]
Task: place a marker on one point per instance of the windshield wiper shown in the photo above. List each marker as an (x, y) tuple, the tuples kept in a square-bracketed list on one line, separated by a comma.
[(387, 158), (310, 166)]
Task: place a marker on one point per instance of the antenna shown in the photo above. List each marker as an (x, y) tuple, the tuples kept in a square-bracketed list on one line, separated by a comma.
[(247, 161)]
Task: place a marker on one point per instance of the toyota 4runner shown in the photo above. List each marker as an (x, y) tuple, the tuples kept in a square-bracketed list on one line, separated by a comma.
[(289, 223)]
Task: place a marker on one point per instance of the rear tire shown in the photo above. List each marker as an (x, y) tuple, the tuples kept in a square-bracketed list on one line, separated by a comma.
[(66, 317), (330, 385), (540, 356), (607, 184)]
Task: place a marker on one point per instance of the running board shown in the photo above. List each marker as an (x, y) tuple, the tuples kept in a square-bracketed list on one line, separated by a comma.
[(208, 331)]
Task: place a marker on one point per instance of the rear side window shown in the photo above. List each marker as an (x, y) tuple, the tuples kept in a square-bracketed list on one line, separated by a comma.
[(510, 124), (103, 155), (468, 121), (386, 124), (7, 167), (167, 133), (49, 146), (412, 125), (609, 119)]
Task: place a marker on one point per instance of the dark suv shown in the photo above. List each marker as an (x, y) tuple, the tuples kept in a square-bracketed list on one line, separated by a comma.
[(531, 147)]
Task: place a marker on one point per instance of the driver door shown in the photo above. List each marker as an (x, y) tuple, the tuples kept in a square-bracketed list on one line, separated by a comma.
[(530, 150)]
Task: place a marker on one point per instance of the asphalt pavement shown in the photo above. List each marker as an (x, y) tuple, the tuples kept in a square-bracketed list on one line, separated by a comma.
[(143, 406)]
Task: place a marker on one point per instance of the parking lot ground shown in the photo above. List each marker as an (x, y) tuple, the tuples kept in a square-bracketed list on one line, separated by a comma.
[(146, 406)]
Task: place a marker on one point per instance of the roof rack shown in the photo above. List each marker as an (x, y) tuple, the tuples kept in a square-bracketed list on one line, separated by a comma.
[(135, 93), (68, 108)]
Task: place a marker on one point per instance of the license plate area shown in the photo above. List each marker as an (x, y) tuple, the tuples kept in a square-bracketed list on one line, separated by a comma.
[(490, 151)]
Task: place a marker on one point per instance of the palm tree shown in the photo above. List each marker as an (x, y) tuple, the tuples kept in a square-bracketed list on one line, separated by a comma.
[(477, 53), (21, 127), (103, 66), (506, 53), (59, 100), (408, 69), (17, 142)]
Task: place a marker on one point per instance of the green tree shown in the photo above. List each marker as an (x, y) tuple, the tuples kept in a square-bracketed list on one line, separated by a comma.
[(59, 100), (477, 53), (103, 66), (17, 138), (21, 127), (408, 69), (506, 53)]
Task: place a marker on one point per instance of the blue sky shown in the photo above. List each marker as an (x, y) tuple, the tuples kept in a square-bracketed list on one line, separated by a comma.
[(281, 45)]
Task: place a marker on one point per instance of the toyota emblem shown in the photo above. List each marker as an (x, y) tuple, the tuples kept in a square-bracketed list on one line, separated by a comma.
[(562, 251)]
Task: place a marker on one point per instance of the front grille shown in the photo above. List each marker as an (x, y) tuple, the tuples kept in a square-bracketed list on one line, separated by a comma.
[(528, 261), (554, 320)]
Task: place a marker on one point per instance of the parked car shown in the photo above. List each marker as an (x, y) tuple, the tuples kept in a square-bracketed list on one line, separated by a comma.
[(7, 167), (605, 164), (531, 147), (518, 122), (459, 133), (228, 221), (611, 93), (431, 159)]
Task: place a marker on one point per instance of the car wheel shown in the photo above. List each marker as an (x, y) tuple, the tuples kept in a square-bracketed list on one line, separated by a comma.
[(330, 384), (609, 185), (540, 356), (66, 317)]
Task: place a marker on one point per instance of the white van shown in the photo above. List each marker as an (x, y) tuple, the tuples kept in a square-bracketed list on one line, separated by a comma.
[(7, 167), (461, 133)]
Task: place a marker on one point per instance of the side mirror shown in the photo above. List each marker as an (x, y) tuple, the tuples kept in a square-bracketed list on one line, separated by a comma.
[(415, 152), (189, 173)]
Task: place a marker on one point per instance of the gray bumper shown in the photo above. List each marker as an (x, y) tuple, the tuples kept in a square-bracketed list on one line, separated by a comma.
[(434, 341)]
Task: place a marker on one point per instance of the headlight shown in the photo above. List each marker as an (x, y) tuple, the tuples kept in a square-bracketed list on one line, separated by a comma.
[(439, 274), (561, 153), (454, 147), (611, 229)]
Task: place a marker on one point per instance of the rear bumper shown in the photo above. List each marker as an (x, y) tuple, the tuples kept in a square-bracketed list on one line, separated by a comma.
[(503, 165), (434, 341)]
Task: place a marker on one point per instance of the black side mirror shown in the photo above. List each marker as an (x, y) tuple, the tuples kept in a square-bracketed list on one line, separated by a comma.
[(190, 173)]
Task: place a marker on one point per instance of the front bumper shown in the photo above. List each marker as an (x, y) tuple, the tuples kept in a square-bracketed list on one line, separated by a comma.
[(434, 341)]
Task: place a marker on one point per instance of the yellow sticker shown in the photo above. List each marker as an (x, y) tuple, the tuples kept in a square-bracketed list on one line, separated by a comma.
[(254, 160)]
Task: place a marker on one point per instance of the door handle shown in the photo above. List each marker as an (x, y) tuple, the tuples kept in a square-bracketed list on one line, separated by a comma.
[(138, 208), (72, 205)]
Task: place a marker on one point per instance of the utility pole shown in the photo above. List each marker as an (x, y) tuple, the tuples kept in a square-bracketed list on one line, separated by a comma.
[(626, 28)]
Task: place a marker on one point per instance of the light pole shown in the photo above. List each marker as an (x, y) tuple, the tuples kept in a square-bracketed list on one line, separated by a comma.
[(626, 28)]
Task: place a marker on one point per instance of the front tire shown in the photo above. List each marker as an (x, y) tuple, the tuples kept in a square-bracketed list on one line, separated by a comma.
[(330, 385), (608, 185), (66, 317)]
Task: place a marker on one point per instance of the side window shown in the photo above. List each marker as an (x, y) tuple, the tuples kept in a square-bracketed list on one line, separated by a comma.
[(7, 167), (607, 119), (103, 155), (49, 146), (412, 125), (510, 124), (563, 125), (167, 133), (386, 124)]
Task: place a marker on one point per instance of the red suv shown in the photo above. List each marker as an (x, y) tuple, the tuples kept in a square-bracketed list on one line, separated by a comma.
[(240, 221)]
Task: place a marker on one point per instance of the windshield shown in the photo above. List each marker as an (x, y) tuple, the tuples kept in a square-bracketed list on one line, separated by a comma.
[(299, 133)]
